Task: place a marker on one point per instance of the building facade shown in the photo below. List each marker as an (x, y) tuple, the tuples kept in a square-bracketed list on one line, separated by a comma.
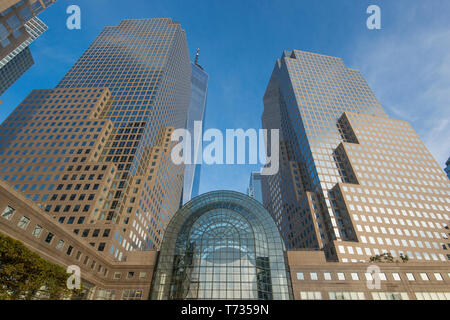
[(236, 253), (35, 28), (19, 27), (196, 113), (15, 68), (352, 181), (97, 159)]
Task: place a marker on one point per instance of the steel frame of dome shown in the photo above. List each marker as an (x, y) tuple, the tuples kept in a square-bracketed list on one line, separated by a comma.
[(222, 245)]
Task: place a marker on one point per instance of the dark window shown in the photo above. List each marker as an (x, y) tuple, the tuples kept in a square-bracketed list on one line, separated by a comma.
[(49, 237)]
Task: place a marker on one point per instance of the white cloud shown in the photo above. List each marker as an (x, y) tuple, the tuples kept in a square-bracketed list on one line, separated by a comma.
[(410, 75)]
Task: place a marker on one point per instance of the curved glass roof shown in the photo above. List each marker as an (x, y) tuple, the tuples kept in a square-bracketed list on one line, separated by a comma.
[(221, 245)]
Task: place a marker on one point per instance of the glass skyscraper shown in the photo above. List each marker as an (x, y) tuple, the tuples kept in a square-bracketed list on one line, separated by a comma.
[(199, 80), (352, 181), (15, 61), (255, 187), (94, 152), (15, 68)]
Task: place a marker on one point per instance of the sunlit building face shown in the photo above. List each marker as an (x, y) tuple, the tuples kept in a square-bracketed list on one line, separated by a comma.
[(352, 180)]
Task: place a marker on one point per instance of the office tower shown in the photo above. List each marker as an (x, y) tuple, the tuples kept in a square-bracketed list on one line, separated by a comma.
[(15, 68), (18, 61), (13, 18), (19, 27), (197, 105), (94, 152), (255, 187), (447, 168), (352, 181), (35, 28)]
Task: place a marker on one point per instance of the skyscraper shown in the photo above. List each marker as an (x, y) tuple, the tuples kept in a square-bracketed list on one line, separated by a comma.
[(255, 187), (352, 181), (95, 151), (199, 80), (15, 68), (18, 61), (19, 27), (35, 28)]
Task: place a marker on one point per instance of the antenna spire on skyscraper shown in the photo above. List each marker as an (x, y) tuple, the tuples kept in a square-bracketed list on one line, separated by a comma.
[(196, 56)]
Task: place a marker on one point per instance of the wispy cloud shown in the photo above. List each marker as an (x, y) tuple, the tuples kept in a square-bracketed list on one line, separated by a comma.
[(409, 71)]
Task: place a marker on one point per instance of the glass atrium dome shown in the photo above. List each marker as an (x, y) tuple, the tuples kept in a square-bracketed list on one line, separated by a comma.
[(222, 245)]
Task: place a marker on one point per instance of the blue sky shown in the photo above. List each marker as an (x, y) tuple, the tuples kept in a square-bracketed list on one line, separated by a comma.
[(406, 63)]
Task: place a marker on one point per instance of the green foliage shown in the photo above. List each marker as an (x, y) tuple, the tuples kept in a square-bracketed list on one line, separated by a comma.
[(25, 275), (387, 257)]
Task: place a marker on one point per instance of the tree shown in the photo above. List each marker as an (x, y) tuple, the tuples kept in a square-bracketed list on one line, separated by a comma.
[(25, 275), (387, 257)]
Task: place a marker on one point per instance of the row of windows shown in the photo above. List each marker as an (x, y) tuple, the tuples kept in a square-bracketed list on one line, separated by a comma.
[(49, 238), (341, 276), (348, 295), (38, 230)]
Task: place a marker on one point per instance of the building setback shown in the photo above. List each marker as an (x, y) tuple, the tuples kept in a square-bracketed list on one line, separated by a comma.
[(352, 181), (98, 158)]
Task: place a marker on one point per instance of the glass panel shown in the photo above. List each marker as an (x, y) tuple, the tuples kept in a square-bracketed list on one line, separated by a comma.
[(221, 245)]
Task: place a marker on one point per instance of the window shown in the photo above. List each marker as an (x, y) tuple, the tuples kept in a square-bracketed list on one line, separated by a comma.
[(424, 277), (23, 222), (117, 275), (37, 231), (327, 276), (130, 275), (142, 275), (313, 275), (132, 294), (382, 276), (300, 276), (8, 213), (396, 276), (355, 276), (49, 237), (390, 296), (432, 295), (410, 277), (346, 295), (341, 276), (438, 277), (106, 294), (310, 295), (60, 244)]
